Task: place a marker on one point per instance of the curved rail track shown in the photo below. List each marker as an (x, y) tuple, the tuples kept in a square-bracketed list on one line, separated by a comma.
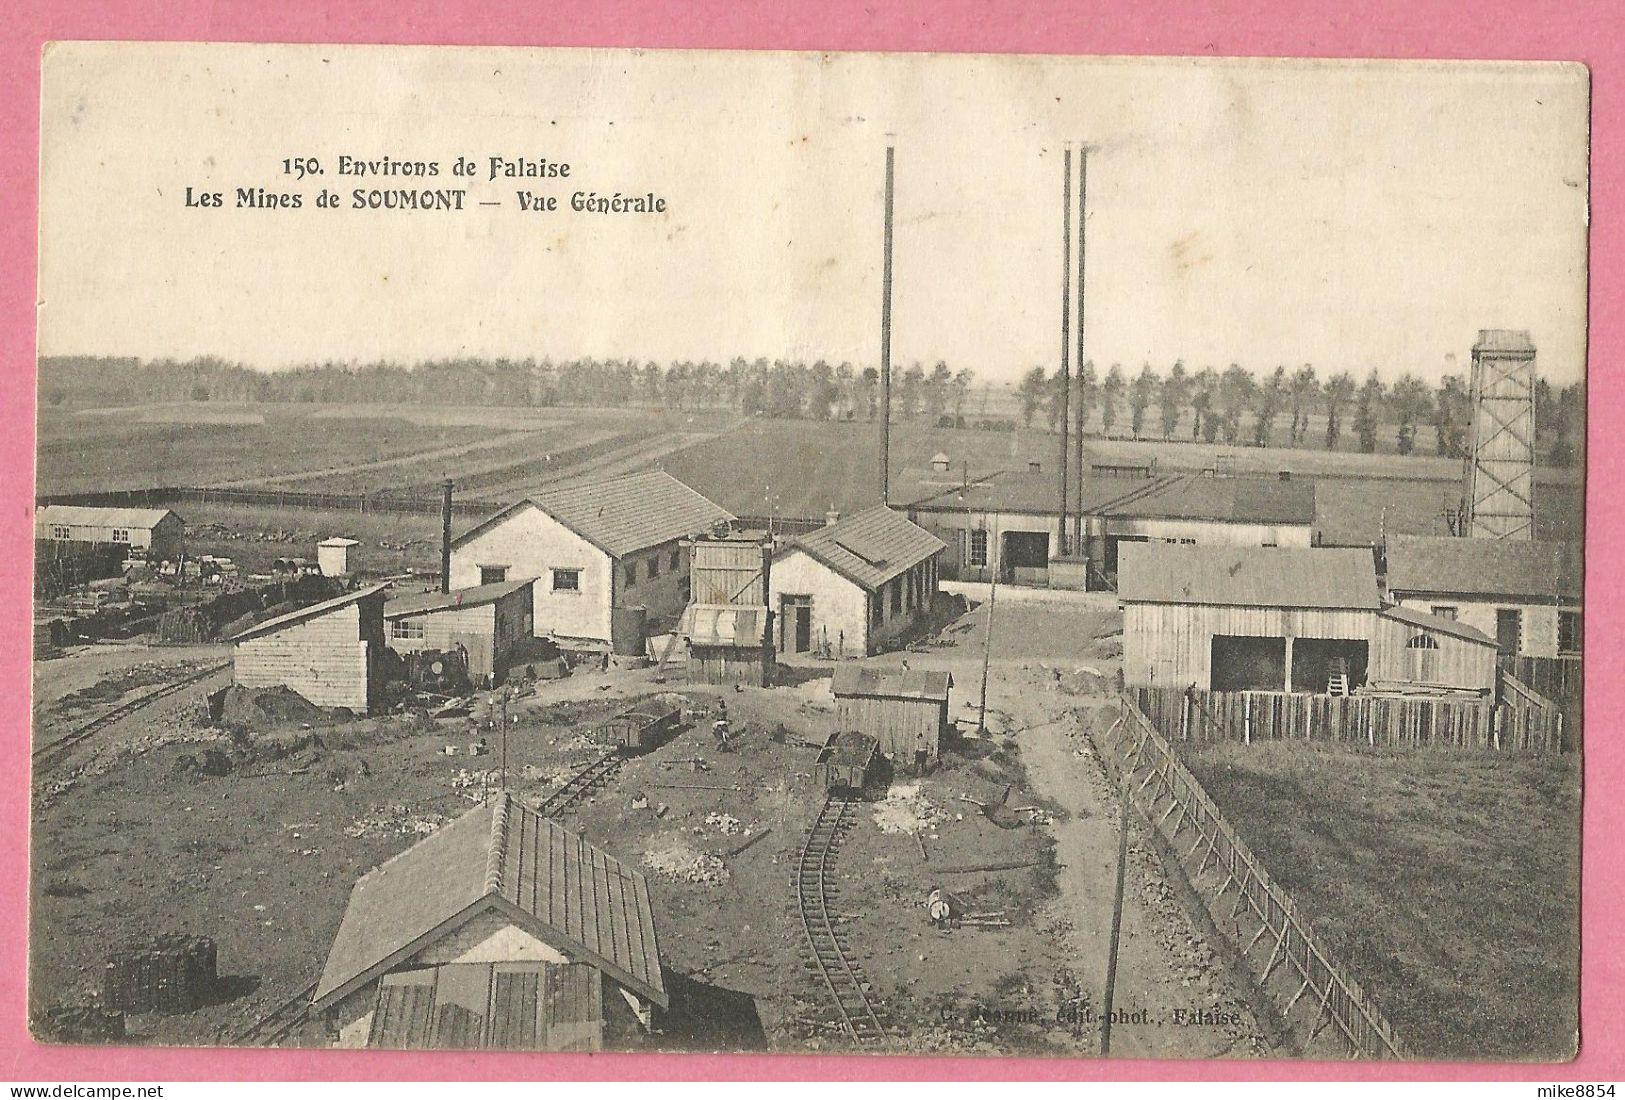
[(815, 889), (44, 753)]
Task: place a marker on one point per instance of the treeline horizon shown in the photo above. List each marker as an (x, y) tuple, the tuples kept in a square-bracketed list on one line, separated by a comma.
[(1234, 406)]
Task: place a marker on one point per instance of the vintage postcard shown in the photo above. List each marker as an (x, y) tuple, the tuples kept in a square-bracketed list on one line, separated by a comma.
[(576, 550)]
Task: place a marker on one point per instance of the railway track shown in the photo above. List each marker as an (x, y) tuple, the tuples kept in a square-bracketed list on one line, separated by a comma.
[(47, 752), (815, 890), (279, 1024), (585, 781)]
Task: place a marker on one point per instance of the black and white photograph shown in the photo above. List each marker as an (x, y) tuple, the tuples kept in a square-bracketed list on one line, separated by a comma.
[(851, 553)]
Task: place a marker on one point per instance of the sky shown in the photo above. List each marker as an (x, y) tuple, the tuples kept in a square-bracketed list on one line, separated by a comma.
[(1347, 215)]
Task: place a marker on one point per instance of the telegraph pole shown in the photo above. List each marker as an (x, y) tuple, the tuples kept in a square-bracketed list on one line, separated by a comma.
[(1066, 317)]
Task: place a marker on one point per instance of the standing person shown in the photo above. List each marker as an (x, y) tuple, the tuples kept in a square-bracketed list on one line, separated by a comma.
[(720, 729), (921, 753)]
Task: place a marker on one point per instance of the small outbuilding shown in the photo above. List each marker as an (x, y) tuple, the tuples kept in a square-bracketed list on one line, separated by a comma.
[(851, 586), (328, 652), (489, 622), (157, 533), (902, 709), (1416, 650), (728, 644), (333, 556), (502, 930)]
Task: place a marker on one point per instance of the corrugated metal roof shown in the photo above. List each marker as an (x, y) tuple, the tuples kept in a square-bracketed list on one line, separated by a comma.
[(871, 547), (454, 600), (622, 515), (852, 678), (1246, 576), (725, 625), (270, 626), (84, 515), (505, 857), (1485, 567), (1422, 620)]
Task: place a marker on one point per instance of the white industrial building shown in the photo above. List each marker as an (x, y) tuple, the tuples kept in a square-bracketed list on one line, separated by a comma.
[(596, 550), (853, 585), (157, 533)]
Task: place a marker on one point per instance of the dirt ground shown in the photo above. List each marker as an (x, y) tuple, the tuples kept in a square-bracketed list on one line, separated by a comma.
[(263, 859)]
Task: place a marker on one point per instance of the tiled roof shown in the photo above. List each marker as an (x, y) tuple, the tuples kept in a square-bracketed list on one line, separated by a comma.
[(1246, 576), (622, 515), (81, 515), (1362, 511), (1485, 567), (871, 547), (1422, 620), (852, 678), (450, 601), (505, 858), (270, 626)]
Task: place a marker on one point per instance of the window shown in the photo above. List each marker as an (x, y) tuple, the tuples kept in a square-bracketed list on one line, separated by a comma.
[(60, 532), (1570, 631), (631, 573), (1445, 611), (121, 534), (654, 567), (676, 560), (1424, 658), (405, 628), (977, 552), (567, 580), (493, 574)]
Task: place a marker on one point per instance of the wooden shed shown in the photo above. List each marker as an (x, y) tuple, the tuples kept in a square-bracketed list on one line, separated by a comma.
[(489, 622), (327, 652), (728, 644), (1239, 618), (1416, 649), (502, 930), (901, 709)]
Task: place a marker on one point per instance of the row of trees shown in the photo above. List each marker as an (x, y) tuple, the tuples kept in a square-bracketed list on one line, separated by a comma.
[(1234, 405), (1237, 407)]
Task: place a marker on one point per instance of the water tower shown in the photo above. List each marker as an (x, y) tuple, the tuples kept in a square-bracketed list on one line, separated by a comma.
[(1500, 473)]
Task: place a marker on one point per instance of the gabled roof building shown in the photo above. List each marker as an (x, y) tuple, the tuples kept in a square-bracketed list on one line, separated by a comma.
[(502, 930)]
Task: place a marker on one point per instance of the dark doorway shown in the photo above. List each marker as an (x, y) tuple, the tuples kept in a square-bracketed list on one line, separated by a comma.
[(1248, 664), (796, 614), (1508, 630), (1315, 659), (1025, 557)]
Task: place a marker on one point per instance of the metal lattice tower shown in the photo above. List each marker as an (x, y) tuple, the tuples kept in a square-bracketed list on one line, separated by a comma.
[(1500, 500)]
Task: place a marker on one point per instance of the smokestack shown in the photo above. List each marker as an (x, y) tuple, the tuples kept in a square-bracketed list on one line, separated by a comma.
[(445, 537), (1083, 207), (1066, 316), (885, 343)]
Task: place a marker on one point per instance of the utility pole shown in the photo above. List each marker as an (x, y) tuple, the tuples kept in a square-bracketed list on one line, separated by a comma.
[(1117, 918), (1083, 209), (987, 639)]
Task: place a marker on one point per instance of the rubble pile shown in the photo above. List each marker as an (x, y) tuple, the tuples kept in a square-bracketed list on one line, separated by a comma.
[(393, 820), (906, 810), (678, 861)]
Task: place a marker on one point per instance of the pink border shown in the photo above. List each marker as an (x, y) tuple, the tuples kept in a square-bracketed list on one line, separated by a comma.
[(1393, 28)]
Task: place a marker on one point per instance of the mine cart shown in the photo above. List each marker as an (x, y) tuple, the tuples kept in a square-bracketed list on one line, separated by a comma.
[(843, 762), (642, 728)]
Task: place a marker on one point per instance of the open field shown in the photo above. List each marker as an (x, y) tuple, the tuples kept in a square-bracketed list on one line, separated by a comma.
[(1447, 883)]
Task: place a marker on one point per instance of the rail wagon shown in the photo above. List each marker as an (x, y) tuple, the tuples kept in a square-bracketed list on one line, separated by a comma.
[(642, 728), (843, 763)]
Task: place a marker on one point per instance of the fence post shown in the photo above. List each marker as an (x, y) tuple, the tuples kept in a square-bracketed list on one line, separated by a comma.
[(1246, 718)]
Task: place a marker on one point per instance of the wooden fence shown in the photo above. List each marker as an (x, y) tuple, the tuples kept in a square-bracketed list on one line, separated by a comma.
[(1216, 862), (1527, 721), (1560, 679)]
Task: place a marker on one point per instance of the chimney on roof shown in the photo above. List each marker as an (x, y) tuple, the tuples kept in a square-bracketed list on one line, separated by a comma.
[(831, 518), (1286, 475), (1034, 466)]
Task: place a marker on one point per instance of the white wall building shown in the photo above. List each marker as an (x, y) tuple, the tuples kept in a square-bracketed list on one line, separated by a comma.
[(592, 548), (850, 587)]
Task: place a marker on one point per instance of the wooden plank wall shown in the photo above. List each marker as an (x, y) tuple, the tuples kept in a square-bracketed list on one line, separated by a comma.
[(895, 723), (1389, 721), (1456, 662), (322, 659), (1172, 644)]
